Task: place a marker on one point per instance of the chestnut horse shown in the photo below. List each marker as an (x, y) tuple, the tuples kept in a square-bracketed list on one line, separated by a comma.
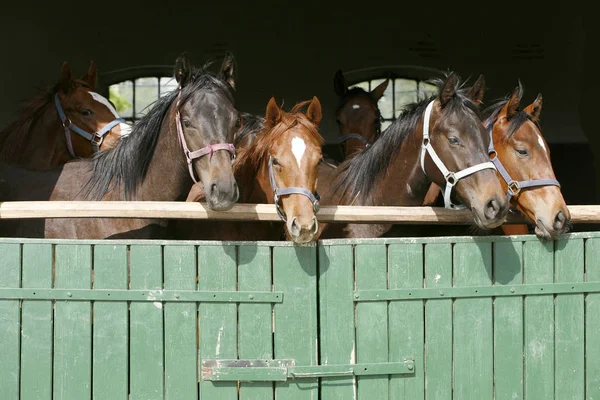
[(279, 167), (186, 133), (428, 141), (522, 158), (68, 121), (357, 115)]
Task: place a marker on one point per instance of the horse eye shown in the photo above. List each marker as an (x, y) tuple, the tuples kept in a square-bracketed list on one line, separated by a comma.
[(522, 152), (453, 140), (275, 162), (186, 123), (86, 112)]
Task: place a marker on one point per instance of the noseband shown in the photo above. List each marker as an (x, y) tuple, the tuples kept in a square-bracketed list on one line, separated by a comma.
[(192, 155), (451, 178), (277, 193), (514, 187), (95, 139)]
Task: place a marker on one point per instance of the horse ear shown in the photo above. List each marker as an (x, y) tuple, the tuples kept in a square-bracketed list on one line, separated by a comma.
[(66, 78), (91, 77), (273, 114), (448, 89), (476, 92), (314, 112), (183, 70), (228, 70), (512, 106), (339, 83), (535, 108), (378, 92)]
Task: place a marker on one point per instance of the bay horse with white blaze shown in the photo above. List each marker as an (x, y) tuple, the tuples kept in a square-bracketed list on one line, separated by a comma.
[(186, 133), (65, 122)]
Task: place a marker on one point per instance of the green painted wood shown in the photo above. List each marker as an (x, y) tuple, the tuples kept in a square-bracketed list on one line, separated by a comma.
[(538, 267), (371, 319), (218, 322), (336, 318), (146, 364), (111, 344), (36, 324), (472, 342), (73, 325), (592, 321), (438, 324), (295, 274), (406, 320), (508, 322), (255, 325), (10, 314), (569, 336), (181, 352)]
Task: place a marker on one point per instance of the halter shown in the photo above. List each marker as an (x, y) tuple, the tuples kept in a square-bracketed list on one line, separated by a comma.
[(95, 139), (192, 155), (349, 136), (514, 187), (314, 198), (451, 178)]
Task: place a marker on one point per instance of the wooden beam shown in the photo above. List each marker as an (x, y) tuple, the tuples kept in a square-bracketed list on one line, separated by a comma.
[(254, 212)]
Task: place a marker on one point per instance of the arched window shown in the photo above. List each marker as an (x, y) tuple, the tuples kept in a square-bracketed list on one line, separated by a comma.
[(132, 90), (407, 85)]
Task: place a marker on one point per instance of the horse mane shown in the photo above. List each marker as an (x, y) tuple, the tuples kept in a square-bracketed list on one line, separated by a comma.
[(358, 175), (125, 165), (257, 154), (251, 125), (491, 112)]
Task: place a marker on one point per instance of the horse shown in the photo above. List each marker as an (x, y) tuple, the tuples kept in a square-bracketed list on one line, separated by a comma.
[(439, 139), (357, 115), (279, 167), (186, 134), (67, 121), (522, 158)]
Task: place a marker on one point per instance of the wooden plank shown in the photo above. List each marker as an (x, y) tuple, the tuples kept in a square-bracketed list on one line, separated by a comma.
[(336, 318), (73, 325), (36, 325), (181, 352), (255, 325), (473, 343), (592, 321), (569, 339), (218, 322), (295, 274), (146, 364), (438, 324), (508, 322), (111, 344), (371, 319), (10, 314), (405, 320), (538, 267)]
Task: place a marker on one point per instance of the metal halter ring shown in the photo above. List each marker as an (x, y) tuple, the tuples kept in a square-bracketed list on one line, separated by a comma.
[(514, 188), (66, 123)]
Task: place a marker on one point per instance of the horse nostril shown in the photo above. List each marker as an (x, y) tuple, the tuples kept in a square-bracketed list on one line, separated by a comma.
[(315, 226), (213, 189), (294, 227), (491, 209), (559, 220)]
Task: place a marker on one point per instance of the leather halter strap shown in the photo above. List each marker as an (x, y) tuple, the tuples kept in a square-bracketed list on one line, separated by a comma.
[(277, 193), (95, 138), (451, 177), (350, 136)]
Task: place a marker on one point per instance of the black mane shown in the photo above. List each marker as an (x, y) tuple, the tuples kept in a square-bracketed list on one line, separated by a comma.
[(357, 176), (125, 166)]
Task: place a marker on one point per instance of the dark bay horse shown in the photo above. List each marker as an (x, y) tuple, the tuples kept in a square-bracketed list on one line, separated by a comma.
[(524, 167), (69, 120), (280, 166), (150, 164), (439, 140), (357, 115)]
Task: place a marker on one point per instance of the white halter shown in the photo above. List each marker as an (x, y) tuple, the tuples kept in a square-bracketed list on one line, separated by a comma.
[(451, 178)]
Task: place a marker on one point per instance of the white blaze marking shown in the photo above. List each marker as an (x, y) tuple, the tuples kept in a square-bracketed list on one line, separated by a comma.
[(355, 106), (541, 142), (298, 148), (125, 128)]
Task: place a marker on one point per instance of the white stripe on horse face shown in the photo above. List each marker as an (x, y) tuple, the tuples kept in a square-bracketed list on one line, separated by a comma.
[(541, 142), (103, 100), (298, 148)]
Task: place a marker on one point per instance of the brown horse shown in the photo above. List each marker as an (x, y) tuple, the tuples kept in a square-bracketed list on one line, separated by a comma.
[(357, 115), (280, 167), (524, 167), (428, 141), (67, 121), (186, 133)]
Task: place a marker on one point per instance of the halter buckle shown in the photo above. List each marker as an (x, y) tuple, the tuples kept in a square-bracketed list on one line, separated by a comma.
[(97, 139), (493, 155), (514, 188)]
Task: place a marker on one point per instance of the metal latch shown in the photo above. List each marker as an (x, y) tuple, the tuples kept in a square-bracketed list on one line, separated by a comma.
[(282, 370)]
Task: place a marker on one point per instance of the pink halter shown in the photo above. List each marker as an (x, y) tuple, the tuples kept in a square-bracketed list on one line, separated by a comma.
[(192, 155)]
